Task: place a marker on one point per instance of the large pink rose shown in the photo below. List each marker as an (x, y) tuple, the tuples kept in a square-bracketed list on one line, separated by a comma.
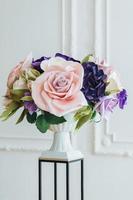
[(15, 73), (57, 90)]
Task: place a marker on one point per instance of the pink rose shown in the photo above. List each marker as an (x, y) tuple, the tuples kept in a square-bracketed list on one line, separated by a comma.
[(57, 90), (15, 73), (13, 76)]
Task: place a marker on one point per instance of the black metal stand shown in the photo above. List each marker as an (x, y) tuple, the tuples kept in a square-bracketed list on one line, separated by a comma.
[(67, 163)]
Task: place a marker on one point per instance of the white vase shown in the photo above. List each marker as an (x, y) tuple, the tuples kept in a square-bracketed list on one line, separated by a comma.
[(62, 148)]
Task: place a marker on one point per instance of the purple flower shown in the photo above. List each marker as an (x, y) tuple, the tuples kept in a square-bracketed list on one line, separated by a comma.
[(66, 57), (36, 63), (106, 106), (94, 82), (122, 98), (30, 105)]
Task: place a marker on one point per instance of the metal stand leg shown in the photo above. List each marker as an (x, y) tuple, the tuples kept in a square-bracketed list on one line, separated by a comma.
[(67, 181), (39, 181), (55, 181), (82, 179)]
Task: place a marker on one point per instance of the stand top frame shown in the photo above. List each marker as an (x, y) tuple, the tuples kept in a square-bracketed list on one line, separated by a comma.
[(59, 160)]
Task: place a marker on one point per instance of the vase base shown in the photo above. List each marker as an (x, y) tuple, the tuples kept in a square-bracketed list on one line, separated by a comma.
[(63, 156)]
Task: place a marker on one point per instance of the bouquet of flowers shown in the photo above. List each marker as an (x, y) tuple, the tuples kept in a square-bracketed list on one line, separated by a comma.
[(51, 87)]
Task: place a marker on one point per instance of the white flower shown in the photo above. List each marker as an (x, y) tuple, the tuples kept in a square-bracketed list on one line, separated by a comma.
[(114, 85)]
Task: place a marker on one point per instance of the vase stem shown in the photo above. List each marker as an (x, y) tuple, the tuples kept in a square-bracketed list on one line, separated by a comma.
[(61, 142)]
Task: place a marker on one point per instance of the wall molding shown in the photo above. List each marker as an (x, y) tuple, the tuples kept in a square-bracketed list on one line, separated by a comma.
[(66, 15), (105, 142), (24, 144)]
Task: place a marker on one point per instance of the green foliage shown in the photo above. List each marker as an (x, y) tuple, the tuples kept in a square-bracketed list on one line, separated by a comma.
[(23, 114), (87, 58), (30, 74), (85, 110), (82, 121), (10, 110), (33, 74), (42, 124), (83, 115), (17, 94), (93, 115), (26, 98), (44, 120), (53, 119), (31, 118), (107, 93)]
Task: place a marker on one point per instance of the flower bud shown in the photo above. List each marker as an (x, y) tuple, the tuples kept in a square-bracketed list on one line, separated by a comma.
[(20, 84)]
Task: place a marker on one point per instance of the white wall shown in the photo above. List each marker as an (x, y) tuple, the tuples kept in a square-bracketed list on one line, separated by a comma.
[(74, 27)]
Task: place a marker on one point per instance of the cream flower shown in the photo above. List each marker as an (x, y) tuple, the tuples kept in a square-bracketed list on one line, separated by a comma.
[(114, 85)]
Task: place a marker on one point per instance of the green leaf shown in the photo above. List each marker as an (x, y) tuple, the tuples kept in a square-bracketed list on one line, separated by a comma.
[(35, 72), (83, 115), (31, 118), (53, 119), (18, 92), (31, 74), (42, 124), (12, 113), (111, 92), (20, 119), (107, 93), (10, 110), (93, 115), (26, 98), (86, 110), (82, 121), (23, 76), (87, 58), (15, 98)]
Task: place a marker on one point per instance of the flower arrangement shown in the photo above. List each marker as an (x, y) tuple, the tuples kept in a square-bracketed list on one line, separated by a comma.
[(51, 87)]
